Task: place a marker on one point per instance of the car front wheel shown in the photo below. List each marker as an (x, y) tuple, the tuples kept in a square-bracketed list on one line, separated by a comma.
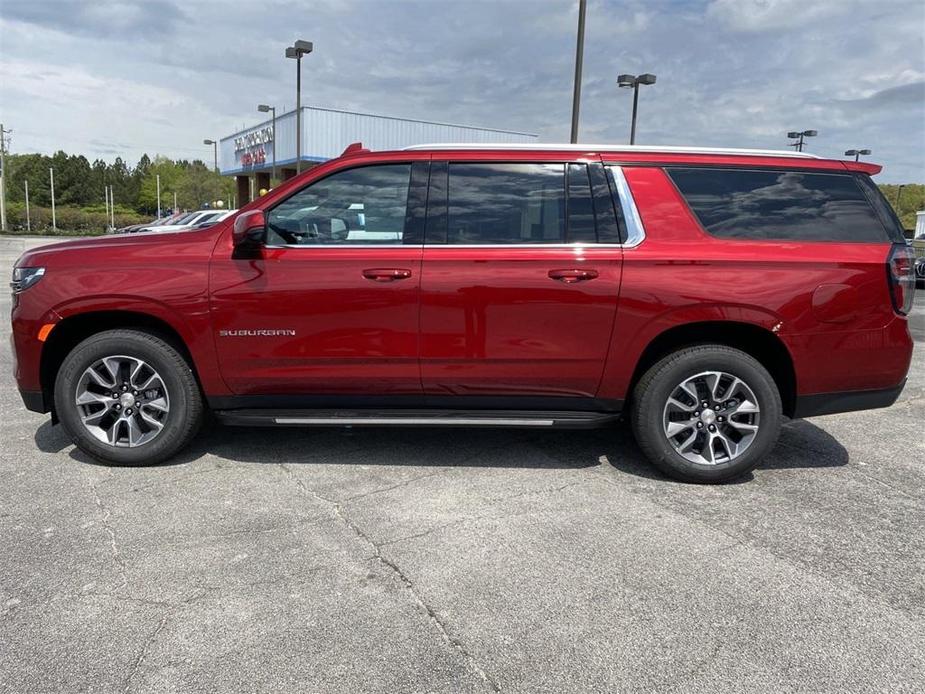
[(707, 413), (128, 397)]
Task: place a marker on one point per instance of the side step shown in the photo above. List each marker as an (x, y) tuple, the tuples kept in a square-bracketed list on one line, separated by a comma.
[(416, 418)]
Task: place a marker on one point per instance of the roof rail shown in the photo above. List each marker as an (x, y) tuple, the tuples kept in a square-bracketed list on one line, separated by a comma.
[(635, 149)]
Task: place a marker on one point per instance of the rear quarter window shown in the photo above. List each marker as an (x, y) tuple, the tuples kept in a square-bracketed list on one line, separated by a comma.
[(779, 205)]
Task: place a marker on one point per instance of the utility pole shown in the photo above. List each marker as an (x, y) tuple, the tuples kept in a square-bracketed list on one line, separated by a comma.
[(174, 202), (54, 220), (106, 200), (3, 177), (112, 207), (28, 219), (579, 59), (158, 176)]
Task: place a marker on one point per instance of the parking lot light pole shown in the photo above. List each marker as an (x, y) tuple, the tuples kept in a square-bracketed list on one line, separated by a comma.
[(856, 153), (296, 51), (798, 136), (214, 144), (628, 81), (579, 58), (158, 177), (264, 108)]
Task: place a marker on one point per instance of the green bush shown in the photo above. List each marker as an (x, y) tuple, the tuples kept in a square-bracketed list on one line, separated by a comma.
[(69, 220)]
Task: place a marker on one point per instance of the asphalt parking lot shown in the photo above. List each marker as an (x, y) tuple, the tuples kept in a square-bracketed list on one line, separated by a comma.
[(457, 561)]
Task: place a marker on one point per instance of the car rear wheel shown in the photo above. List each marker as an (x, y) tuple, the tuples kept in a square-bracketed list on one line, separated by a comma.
[(708, 413), (128, 397)]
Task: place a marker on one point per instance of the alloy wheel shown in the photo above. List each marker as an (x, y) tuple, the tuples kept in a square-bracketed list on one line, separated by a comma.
[(122, 401), (711, 418)]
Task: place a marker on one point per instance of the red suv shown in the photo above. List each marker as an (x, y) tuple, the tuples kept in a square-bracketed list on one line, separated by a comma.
[(705, 294)]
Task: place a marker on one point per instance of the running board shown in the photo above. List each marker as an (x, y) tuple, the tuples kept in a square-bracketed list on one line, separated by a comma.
[(416, 418)]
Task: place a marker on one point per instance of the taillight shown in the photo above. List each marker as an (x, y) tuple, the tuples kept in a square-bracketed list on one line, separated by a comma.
[(900, 268)]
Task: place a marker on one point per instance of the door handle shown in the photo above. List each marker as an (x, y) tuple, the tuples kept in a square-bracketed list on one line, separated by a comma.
[(388, 274), (571, 276)]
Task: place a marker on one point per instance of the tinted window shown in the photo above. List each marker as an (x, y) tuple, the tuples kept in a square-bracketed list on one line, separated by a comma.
[(779, 205), (358, 206), (580, 205), (884, 210), (506, 203)]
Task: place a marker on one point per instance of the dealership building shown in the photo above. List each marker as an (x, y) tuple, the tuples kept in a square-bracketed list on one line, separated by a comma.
[(249, 155)]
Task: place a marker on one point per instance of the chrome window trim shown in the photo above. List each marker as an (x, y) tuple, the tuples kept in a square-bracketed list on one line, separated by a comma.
[(345, 245), (635, 231), (577, 244)]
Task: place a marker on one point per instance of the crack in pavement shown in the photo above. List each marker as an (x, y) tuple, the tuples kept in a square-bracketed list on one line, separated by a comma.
[(136, 666), (435, 619), (399, 485), (114, 548)]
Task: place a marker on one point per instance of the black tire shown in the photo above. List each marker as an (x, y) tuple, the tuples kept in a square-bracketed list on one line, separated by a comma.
[(657, 384), (181, 422)]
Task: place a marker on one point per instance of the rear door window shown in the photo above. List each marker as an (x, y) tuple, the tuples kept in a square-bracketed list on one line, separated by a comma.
[(779, 205), (491, 203)]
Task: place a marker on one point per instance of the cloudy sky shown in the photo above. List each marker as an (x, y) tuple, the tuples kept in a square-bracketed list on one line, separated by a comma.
[(111, 78)]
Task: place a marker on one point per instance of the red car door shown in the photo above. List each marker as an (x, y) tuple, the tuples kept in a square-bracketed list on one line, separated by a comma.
[(520, 279), (331, 305)]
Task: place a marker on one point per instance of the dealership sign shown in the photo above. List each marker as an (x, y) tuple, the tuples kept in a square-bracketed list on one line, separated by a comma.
[(253, 139), (252, 149)]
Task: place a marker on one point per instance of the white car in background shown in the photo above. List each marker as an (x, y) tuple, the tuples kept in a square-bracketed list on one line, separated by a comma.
[(192, 220)]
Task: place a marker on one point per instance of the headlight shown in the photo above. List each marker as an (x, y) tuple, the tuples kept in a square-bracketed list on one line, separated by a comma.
[(25, 277)]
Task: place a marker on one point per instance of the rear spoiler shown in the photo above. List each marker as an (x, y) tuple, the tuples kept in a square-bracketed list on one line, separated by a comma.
[(863, 167)]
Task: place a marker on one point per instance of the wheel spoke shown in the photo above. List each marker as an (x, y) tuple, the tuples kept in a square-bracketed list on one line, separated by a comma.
[(675, 428), (744, 407), (112, 365), (112, 434), (153, 381), (97, 378), (742, 426), (674, 402), (715, 377), (139, 365), (151, 421), (134, 431), (90, 398), (688, 442), (730, 448), (94, 419), (159, 404)]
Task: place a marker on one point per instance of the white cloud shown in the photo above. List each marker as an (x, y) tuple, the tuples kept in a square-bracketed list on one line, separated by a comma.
[(735, 73)]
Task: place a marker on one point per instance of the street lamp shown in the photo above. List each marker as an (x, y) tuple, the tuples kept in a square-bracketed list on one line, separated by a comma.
[(856, 153), (627, 81), (798, 136), (214, 151), (296, 51), (264, 108)]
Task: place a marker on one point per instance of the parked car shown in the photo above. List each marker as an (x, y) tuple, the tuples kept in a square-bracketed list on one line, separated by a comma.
[(920, 273), (157, 222), (703, 294), (212, 220), (188, 221)]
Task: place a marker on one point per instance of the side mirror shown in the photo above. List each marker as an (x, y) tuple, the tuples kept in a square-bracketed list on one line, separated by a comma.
[(249, 233)]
